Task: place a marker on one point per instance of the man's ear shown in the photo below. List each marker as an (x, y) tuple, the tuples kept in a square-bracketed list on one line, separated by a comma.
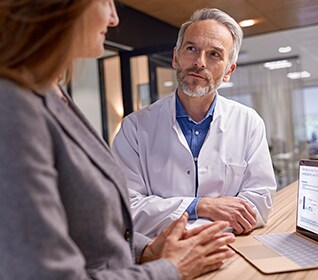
[(228, 74), (174, 59)]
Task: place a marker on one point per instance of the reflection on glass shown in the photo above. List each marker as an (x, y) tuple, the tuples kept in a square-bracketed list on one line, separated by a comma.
[(166, 81), (139, 80), (144, 95), (114, 101)]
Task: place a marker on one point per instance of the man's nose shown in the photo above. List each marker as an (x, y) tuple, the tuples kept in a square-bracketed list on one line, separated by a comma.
[(200, 60)]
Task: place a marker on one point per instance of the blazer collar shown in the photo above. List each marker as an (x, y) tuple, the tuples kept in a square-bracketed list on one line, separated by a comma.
[(78, 128)]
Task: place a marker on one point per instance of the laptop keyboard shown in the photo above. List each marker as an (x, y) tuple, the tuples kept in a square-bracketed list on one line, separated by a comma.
[(299, 250)]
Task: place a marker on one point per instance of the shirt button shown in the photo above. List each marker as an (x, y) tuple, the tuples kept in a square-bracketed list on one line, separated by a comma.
[(188, 172), (196, 132), (127, 234)]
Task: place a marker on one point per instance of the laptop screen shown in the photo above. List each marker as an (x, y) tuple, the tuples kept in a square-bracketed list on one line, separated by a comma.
[(307, 208)]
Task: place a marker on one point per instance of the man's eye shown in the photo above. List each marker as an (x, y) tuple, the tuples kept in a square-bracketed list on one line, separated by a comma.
[(190, 48), (214, 54)]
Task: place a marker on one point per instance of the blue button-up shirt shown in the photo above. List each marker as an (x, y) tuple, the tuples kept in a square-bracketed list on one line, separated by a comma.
[(195, 134)]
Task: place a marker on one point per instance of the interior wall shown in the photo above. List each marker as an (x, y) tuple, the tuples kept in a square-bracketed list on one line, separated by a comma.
[(138, 30), (85, 91)]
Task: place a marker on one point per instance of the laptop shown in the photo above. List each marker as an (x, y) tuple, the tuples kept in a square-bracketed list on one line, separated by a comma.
[(282, 252)]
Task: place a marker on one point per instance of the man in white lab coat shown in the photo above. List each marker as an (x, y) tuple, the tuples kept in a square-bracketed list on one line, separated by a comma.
[(194, 150)]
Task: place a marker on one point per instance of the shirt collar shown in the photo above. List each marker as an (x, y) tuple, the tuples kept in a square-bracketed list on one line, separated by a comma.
[(180, 112)]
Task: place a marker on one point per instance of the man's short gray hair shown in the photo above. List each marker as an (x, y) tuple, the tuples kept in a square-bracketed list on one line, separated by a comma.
[(221, 17)]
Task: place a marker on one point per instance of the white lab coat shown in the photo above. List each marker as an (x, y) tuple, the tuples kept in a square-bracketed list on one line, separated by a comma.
[(234, 161)]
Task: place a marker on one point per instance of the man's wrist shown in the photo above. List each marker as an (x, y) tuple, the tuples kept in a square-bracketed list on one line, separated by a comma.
[(196, 207), (192, 209), (202, 207)]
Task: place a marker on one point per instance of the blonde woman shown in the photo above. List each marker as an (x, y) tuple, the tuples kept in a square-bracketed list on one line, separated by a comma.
[(64, 207)]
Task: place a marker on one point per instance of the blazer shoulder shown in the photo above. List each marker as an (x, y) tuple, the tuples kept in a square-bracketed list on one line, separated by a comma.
[(15, 98), (21, 110)]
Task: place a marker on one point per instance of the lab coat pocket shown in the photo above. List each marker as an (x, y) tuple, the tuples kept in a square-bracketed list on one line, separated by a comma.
[(212, 179), (233, 177)]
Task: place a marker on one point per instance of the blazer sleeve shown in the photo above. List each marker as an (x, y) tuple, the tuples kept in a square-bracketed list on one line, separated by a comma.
[(140, 242), (34, 238)]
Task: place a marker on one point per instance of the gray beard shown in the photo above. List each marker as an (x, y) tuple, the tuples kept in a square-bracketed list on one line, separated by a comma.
[(193, 89), (198, 91)]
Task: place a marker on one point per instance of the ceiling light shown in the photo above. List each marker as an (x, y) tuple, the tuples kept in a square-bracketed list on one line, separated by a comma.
[(226, 85), (285, 49), (247, 22), (298, 75), (279, 64), (168, 84)]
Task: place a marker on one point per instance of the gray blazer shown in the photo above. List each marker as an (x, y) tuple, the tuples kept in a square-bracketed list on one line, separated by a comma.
[(64, 208)]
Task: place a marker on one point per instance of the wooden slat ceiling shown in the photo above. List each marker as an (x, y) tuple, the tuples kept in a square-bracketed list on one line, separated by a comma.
[(274, 15)]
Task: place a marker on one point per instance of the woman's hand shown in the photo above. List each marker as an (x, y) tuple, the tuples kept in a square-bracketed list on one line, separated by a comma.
[(194, 252)]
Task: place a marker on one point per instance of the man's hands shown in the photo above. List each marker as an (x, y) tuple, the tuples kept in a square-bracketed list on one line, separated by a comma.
[(193, 252), (236, 211)]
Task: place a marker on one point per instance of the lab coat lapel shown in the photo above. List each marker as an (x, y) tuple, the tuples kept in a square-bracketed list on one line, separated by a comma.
[(78, 128), (171, 110), (218, 116)]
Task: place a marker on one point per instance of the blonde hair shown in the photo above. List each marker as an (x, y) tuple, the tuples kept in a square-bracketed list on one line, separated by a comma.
[(37, 39)]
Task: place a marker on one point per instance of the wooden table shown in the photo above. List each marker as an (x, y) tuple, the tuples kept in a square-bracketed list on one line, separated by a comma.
[(282, 219)]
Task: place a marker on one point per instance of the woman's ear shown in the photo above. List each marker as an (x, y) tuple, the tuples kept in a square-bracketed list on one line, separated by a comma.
[(228, 74)]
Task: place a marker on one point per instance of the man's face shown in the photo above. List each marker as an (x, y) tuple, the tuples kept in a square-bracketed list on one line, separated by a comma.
[(202, 62)]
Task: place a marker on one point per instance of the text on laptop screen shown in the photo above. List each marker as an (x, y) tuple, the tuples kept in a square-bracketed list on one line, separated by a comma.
[(307, 213)]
